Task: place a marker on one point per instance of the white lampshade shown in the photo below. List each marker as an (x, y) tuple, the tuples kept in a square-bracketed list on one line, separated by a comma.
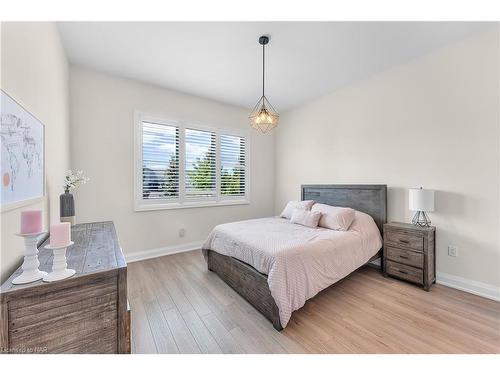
[(421, 200)]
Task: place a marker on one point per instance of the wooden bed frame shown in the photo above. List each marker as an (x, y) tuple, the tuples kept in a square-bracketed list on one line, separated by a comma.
[(252, 285)]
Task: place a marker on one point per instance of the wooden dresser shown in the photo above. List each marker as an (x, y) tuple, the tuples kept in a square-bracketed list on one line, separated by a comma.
[(86, 313), (409, 253)]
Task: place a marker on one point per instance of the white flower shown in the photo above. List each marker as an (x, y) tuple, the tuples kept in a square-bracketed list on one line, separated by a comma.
[(73, 180)]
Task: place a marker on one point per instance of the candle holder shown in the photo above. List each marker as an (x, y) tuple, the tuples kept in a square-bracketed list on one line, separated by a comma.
[(30, 264), (60, 270)]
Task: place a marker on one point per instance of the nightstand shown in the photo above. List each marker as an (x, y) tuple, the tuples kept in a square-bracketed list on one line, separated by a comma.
[(409, 253)]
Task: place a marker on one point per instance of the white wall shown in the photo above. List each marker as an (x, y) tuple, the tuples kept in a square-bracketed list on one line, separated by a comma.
[(34, 71), (433, 122), (102, 119)]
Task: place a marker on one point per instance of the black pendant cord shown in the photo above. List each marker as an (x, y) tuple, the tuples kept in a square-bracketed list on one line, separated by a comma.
[(263, 67)]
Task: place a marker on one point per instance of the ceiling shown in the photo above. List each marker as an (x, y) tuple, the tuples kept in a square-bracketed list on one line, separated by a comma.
[(222, 60)]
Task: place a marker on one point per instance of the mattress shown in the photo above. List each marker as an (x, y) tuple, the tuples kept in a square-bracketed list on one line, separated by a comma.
[(299, 261)]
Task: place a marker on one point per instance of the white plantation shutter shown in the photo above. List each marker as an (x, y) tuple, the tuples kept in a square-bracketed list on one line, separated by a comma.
[(233, 166), (181, 164), (160, 161), (200, 164)]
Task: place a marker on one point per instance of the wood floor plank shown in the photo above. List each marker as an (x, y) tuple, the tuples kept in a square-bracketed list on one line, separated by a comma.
[(249, 346), (182, 335), (212, 301), (201, 334), (164, 300), (445, 333), (161, 269), (223, 337), (213, 284), (185, 284), (439, 299), (148, 283), (449, 327), (253, 332), (142, 337), (266, 327), (134, 284), (162, 335), (363, 313), (382, 321)]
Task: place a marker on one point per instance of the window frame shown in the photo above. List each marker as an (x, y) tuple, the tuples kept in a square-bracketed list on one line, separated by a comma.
[(141, 204)]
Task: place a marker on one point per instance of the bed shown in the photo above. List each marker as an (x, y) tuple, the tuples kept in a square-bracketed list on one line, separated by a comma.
[(276, 265)]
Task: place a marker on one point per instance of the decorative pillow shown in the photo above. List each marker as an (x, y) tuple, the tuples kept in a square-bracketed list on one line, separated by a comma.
[(305, 217), (336, 218), (290, 206)]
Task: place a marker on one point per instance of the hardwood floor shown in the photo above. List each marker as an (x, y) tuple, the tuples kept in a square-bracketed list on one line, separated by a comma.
[(178, 306)]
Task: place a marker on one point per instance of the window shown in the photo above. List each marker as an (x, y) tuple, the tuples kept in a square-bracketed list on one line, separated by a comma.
[(232, 171), (181, 164), (160, 161), (200, 164)]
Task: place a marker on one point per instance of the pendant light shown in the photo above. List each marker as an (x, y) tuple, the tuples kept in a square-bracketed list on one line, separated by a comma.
[(263, 117)]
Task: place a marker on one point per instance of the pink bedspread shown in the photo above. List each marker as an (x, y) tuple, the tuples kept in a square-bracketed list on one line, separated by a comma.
[(299, 261)]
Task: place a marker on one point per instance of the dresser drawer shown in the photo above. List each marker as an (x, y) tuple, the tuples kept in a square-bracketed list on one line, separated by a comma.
[(408, 257), (77, 319), (413, 241), (404, 272)]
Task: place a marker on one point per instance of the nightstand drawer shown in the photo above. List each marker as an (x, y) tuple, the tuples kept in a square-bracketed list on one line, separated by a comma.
[(404, 272), (408, 257), (405, 239)]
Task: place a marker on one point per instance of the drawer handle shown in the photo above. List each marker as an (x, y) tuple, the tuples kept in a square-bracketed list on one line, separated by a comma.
[(401, 271), (403, 257), (404, 241)]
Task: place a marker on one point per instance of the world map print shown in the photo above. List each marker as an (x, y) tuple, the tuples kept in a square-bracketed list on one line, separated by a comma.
[(21, 136)]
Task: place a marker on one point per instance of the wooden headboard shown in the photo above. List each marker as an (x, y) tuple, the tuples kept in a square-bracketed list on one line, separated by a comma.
[(370, 199)]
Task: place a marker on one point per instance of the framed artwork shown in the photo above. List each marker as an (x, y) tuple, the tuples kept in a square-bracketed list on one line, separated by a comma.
[(23, 154)]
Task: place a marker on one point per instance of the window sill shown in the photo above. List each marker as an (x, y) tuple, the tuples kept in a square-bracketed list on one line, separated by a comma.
[(177, 206)]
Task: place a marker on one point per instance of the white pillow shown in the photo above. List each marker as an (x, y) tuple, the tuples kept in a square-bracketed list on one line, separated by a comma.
[(290, 206), (304, 217), (336, 218)]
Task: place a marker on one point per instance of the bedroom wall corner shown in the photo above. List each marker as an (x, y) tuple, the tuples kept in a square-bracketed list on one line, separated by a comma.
[(34, 71)]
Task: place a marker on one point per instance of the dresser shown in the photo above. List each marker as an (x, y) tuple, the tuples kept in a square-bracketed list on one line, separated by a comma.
[(86, 313), (409, 253)]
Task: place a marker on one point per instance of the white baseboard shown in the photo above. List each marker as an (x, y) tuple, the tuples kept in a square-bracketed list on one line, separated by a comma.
[(161, 251), (470, 286)]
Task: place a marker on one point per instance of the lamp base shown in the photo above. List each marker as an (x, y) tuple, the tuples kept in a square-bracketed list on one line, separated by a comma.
[(421, 219)]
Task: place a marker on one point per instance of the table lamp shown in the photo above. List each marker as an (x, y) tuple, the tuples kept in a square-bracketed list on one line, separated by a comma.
[(422, 201)]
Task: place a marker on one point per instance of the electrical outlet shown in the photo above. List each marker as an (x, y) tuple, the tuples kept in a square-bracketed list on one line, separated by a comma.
[(182, 232), (452, 251)]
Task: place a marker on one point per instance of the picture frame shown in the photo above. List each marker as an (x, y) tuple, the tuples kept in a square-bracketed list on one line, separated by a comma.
[(22, 138)]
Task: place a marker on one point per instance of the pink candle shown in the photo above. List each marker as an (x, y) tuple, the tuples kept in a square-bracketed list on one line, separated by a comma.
[(31, 222), (60, 234)]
